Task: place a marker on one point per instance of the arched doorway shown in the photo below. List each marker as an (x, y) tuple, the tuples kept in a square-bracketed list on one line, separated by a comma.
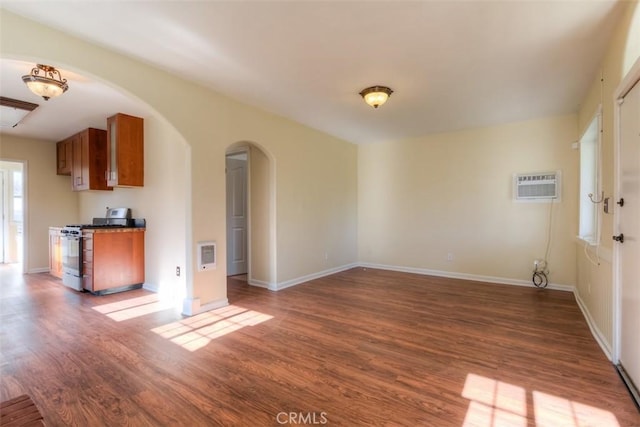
[(250, 214)]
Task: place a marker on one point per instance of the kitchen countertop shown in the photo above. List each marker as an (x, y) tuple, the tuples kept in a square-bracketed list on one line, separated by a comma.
[(114, 230)]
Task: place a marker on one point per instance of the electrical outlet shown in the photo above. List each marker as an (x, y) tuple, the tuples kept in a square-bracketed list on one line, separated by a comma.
[(449, 257), (178, 271)]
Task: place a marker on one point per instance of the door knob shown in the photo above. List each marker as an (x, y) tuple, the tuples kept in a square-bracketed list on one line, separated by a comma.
[(619, 238)]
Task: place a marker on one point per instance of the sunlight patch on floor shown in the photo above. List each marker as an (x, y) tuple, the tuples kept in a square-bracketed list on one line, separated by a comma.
[(494, 403), (134, 307), (552, 411), (499, 404), (197, 331)]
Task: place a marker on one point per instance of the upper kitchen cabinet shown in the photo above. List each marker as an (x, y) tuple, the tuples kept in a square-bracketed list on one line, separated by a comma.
[(125, 156), (64, 152), (89, 160)]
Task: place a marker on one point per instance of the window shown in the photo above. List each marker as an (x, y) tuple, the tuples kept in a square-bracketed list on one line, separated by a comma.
[(17, 210), (590, 192)]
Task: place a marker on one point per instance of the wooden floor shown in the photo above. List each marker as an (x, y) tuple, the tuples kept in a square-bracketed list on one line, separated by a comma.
[(360, 348)]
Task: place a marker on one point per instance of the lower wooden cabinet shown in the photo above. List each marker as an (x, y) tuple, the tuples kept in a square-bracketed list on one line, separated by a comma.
[(55, 251), (112, 259)]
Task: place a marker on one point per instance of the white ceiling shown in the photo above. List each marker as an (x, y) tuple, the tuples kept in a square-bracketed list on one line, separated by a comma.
[(452, 64)]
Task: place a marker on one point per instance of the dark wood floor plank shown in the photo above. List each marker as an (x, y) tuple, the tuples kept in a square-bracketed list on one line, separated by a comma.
[(20, 411), (362, 347)]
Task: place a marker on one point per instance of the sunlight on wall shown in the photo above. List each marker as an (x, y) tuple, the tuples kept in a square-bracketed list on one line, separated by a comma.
[(134, 307), (196, 332), (495, 403)]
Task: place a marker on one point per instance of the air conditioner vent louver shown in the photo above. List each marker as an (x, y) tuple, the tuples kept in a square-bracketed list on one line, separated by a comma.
[(537, 186)]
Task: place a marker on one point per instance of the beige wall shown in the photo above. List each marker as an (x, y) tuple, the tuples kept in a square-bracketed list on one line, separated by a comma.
[(424, 198), (261, 209), (50, 201), (316, 182), (317, 206), (595, 282)]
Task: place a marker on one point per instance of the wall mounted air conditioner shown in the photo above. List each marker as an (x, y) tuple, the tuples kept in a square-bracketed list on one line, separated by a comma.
[(536, 186)]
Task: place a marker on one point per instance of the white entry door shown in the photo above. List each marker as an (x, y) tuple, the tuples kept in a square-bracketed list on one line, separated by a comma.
[(629, 227), (236, 214)]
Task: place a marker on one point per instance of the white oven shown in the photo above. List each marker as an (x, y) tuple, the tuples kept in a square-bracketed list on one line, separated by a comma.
[(71, 257)]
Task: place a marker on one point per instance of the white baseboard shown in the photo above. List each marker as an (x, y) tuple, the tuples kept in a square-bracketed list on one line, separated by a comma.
[(423, 271), (38, 270), (192, 306), (595, 331), (150, 287), (308, 277), (313, 276), (465, 276), (260, 283)]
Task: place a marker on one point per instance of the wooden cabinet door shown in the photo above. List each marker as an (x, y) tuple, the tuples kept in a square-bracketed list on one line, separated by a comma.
[(63, 157), (118, 258), (89, 160), (80, 162), (125, 154), (97, 161), (137, 257)]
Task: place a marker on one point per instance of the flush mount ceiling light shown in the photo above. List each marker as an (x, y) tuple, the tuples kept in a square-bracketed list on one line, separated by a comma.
[(376, 95), (43, 82)]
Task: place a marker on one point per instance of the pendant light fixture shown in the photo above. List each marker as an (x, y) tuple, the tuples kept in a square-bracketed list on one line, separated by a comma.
[(376, 95), (45, 81)]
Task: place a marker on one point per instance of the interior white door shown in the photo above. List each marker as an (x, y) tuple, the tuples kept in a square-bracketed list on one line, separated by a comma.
[(629, 226), (236, 215)]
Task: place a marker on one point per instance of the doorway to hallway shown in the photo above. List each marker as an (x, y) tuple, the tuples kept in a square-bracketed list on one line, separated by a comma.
[(250, 214), (237, 213), (12, 206)]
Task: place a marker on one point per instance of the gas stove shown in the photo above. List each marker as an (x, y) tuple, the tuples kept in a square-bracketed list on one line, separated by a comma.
[(89, 226), (115, 218)]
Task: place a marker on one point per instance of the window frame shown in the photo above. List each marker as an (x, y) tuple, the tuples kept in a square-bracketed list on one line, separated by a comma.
[(589, 215)]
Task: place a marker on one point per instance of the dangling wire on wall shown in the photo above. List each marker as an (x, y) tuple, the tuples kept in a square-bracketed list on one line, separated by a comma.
[(596, 237), (540, 277), (596, 201), (596, 233)]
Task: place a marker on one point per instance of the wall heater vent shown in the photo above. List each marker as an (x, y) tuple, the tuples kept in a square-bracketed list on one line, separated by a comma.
[(206, 256), (536, 186)]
